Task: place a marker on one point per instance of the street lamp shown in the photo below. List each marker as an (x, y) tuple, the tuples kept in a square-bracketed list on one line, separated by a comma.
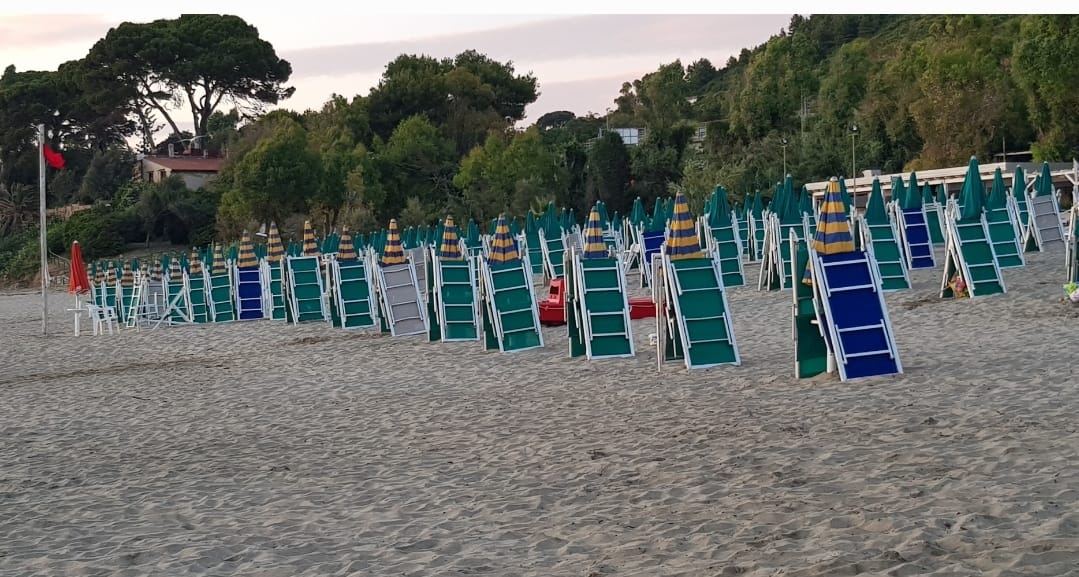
[(853, 162), (784, 157)]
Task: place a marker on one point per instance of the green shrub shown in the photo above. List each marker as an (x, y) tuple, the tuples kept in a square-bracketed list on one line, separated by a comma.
[(98, 230), (130, 224), (26, 262), (56, 237), (203, 236), (12, 244)]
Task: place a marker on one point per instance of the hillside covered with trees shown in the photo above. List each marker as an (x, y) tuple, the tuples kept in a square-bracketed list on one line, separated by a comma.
[(438, 134)]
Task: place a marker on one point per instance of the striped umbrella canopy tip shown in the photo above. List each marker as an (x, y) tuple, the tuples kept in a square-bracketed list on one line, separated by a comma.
[(503, 245), (450, 248), (219, 260), (310, 246), (247, 258), (393, 253), (345, 248), (594, 245), (682, 240), (175, 273), (275, 249), (194, 263), (833, 232), (128, 277)]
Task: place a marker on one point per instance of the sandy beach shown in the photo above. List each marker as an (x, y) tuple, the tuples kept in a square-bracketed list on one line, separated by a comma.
[(264, 449)]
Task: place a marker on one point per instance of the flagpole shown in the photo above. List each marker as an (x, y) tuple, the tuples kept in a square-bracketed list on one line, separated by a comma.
[(44, 241)]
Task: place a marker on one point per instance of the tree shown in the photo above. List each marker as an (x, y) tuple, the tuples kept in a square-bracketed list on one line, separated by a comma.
[(512, 92), (966, 93), (609, 174), (415, 162), (662, 96), (410, 85), (18, 207), (698, 75), (54, 99), (202, 60), (109, 170), (275, 179), (509, 175), (1044, 68), (465, 96), (556, 119)]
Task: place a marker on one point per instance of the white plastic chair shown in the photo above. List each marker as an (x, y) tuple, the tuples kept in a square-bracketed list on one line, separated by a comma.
[(102, 317)]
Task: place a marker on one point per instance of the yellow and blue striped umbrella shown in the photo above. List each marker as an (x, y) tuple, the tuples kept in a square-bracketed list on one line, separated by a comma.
[(345, 249), (275, 249), (175, 274), (219, 260), (128, 278), (833, 232), (194, 264), (392, 252), (681, 234), (247, 258), (503, 245), (594, 246), (310, 247), (451, 244)]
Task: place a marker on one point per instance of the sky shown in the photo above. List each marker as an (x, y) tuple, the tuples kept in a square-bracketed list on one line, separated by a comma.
[(579, 52), (580, 60)]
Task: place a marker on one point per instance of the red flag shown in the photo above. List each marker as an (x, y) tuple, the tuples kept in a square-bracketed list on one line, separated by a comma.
[(55, 159)]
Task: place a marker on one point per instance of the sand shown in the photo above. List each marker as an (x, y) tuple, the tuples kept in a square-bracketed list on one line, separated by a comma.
[(263, 449)]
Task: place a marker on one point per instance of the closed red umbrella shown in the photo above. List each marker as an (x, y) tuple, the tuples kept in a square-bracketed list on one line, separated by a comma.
[(78, 282)]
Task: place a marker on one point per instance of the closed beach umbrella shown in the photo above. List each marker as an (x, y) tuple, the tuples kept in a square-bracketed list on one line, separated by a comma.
[(128, 277), (345, 248), (175, 274), (913, 199), (681, 236), (393, 253), (310, 247), (451, 244), (972, 196), (998, 195), (219, 261), (503, 245), (275, 249), (78, 280), (833, 232), (594, 246), (247, 258), (194, 264)]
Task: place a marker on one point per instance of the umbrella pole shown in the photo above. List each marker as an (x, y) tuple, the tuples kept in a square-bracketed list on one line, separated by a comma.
[(78, 313)]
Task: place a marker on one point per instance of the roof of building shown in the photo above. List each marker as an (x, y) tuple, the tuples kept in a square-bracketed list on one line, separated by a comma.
[(187, 163)]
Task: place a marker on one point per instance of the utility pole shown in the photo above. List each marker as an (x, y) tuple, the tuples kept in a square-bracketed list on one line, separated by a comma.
[(44, 241)]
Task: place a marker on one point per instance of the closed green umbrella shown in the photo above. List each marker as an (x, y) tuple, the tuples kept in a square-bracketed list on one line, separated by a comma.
[(913, 197), (998, 195), (972, 196)]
